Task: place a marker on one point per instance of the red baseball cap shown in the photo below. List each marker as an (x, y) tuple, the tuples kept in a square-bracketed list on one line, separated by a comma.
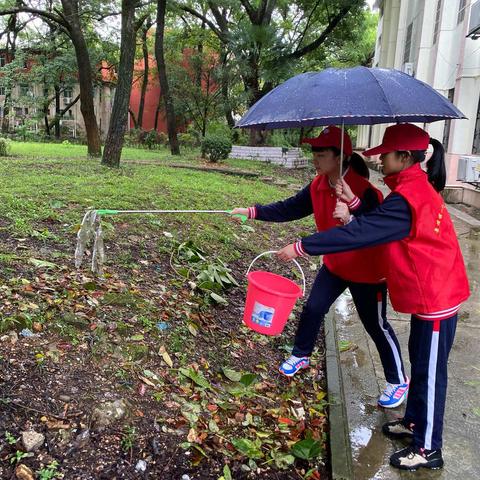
[(403, 136), (331, 137)]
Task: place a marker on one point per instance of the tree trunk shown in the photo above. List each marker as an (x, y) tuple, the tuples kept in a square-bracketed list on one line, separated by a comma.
[(85, 77), (251, 80), (12, 33), (199, 66), (118, 123), (146, 69), (56, 125), (224, 86), (59, 113), (157, 112), (134, 119), (162, 75), (6, 112), (45, 120)]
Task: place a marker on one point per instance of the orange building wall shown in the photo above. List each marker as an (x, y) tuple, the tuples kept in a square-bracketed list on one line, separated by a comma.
[(152, 96)]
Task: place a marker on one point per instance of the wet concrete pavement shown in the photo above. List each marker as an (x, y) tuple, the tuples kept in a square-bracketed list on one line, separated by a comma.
[(363, 381)]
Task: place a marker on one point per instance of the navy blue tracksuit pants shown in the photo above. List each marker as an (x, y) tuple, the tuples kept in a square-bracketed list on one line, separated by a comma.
[(371, 303), (429, 346)]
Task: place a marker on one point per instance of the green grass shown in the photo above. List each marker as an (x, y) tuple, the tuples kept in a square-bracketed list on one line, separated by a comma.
[(42, 183)]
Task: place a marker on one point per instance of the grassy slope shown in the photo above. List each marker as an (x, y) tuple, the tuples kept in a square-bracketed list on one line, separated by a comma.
[(45, 181)]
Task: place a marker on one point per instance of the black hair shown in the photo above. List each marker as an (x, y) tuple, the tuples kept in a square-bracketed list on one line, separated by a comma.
[(436, 171), (358, 164), (354, 160)]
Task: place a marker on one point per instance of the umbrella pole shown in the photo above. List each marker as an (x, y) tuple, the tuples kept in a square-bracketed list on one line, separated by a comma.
[(341, 150), (341, 162)]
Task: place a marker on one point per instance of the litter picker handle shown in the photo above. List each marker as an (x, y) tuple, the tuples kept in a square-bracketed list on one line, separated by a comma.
[(293, 260)]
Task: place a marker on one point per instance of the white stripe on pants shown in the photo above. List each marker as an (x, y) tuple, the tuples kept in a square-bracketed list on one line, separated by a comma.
[(396, 354), (432, 378)]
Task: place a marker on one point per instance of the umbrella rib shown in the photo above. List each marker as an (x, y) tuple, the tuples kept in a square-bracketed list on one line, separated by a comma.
[(383, 91)]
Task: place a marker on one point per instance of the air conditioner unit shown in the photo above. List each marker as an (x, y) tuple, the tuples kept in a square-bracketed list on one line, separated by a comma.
[(67, 100), (408, 68), (468, 169)]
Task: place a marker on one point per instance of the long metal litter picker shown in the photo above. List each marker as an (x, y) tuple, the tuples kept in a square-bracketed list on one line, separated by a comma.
[(91, 228)]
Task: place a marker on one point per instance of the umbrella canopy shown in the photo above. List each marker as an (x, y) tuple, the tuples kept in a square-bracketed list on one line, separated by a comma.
[(351, 96)]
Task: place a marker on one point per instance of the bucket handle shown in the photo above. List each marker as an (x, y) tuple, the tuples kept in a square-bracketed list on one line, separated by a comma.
[(293, 260)]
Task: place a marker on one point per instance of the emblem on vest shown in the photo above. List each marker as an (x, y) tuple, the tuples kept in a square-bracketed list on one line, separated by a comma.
[(439, 219)]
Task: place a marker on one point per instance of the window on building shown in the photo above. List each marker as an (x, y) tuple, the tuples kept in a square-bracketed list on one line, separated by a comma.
[(476, 134), (18, 111), (446, 130), (68, 94), (436, 27), (461, 11), (25, 90), (25, 110), (2, 90), (3, 60), (408, 44)]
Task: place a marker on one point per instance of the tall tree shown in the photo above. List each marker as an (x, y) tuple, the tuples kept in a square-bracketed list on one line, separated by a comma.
[(12, 30), (118, 121), (68, 19), (146, 70), (162, 75), (72, 21), (269, 40)]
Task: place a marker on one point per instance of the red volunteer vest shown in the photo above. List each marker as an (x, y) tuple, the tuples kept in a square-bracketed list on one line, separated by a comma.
[(426, 273), (362, 266)]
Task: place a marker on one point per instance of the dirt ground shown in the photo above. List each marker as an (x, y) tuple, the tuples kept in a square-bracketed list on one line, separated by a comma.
[(198, 394)]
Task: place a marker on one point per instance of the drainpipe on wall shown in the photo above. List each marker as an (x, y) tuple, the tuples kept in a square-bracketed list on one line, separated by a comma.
[(451, 156), (459, 70)]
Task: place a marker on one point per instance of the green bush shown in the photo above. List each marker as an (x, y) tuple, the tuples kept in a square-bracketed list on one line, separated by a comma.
[(162, 138), (187, 140), (196, 134), (287, 139), (4, 147), (218, 128), (131, 138), (152, 139), (216, 147)]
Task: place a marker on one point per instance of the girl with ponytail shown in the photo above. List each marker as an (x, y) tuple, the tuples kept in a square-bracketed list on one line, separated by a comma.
[(362, 272), (425, 274)]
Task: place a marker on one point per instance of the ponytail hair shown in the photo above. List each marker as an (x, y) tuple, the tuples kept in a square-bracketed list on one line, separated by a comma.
[(437, 174), (357, 163)]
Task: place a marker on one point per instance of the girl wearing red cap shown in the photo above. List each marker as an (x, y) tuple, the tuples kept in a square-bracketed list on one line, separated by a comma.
[(361, 272), (426, 277)]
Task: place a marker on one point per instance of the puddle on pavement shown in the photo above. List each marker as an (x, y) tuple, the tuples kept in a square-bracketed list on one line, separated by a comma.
[(360, 436), (370, 448)]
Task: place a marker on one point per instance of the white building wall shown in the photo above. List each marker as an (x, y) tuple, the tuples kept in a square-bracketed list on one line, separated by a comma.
[(452, 62)]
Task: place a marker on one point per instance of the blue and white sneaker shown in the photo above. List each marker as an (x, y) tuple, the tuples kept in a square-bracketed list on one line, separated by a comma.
[(393, 395), (294, 364)]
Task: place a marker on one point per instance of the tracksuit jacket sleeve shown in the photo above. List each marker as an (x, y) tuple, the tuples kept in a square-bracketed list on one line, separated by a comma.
[(369, 202), (293, 208), (389, 222)]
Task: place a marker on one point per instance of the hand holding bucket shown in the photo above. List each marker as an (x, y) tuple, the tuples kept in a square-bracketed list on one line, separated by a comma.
[(270, 299)]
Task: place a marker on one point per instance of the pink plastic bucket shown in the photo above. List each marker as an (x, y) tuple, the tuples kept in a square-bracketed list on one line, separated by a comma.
[(270, 300)]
